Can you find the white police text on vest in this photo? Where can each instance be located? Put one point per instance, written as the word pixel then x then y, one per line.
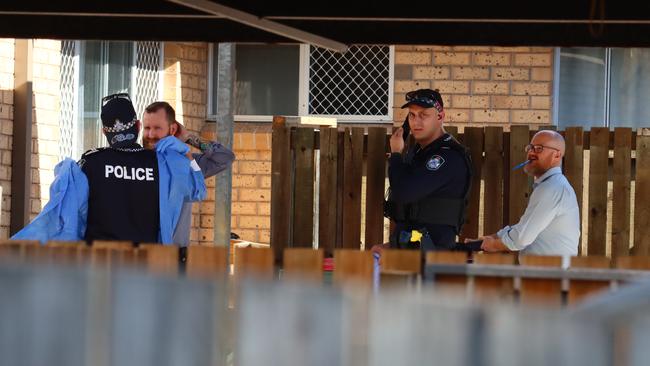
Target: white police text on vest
pixel 127 173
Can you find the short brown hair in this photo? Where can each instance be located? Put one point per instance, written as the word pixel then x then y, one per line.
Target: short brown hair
pixel 169 111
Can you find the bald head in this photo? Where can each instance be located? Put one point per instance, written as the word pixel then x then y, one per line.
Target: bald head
pixel 545 151
pixel 550 138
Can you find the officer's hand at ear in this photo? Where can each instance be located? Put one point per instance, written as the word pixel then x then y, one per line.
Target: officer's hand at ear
pixel 397 141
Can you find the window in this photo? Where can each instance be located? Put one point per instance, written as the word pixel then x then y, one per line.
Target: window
pixel 267 80
pixel 603 87
pixel 305 80
pixel 105 68
pixel 355 83
pixel 91 70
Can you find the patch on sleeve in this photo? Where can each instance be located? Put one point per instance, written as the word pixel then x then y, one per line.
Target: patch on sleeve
pixel 435 162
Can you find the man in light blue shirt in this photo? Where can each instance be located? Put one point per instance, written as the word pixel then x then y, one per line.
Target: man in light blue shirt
pixel 551 223
pixel 159 121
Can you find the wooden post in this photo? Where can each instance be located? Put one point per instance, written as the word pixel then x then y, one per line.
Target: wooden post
pixel 21 148
pixel 161 259
pixel 621 192
pixel 642 197
pixel 493 172
pixel 353 266
pixel 256 262
pixel 474 141
pixel 598 174
pixel 574 163
pixel 280 188
pixel 303 207
pixel 328 203
pixel 206 261
pixel 353 169
pixel 375 186
pixel 519 187
pixel 303 264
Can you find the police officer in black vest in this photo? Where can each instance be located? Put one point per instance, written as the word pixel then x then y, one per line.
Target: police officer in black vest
pixel 430 181
pixel 123 201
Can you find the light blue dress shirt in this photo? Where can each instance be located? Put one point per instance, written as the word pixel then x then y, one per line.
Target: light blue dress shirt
pixel 551 223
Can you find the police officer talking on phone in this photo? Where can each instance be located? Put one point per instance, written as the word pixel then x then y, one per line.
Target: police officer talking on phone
pixel 429 181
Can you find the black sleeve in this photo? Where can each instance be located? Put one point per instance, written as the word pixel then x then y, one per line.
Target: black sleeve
pixel 411 183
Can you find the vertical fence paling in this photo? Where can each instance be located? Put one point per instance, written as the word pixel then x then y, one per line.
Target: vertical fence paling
pixel 327 194
pixel 642 197
pixel 474 141
pixel 304 188
pixel 493 175
pixel 598 174
pixel 494 152
pixel 574 163
pixel 280 187
pixel 621 192
pixel 340 169
pixel 519 187
pixel 375 184
pixel 353 171
pixel 505 198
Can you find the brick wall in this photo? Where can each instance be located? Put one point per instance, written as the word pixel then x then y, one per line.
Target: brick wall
pixel 251 186
pixel 480 85
pixel 45 128
pixel 186 82
pixel 6 129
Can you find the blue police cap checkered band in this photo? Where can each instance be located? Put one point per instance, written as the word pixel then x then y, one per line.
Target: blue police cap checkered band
pixel 119 126
pixel 117 113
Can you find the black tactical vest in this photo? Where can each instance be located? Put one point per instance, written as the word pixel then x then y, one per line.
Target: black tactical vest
pixel 123 201
pixel 454 213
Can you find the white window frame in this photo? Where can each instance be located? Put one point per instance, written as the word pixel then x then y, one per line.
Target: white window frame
pixel 78 97
pixel 303 92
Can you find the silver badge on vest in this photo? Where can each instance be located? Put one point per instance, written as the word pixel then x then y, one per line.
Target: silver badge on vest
pixel 435 162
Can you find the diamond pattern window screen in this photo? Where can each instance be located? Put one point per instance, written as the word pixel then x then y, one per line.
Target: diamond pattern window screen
pixel 93 69
pixel 355 83
pixel 68 90
pixel 146 79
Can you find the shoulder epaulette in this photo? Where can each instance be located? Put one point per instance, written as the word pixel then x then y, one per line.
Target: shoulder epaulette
pixel 92 151
pixel 82 160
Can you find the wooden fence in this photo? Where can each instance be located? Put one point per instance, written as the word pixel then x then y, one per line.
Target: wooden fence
pixel 341 159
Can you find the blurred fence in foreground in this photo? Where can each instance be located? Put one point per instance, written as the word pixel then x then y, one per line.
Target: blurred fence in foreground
pixel 68 317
